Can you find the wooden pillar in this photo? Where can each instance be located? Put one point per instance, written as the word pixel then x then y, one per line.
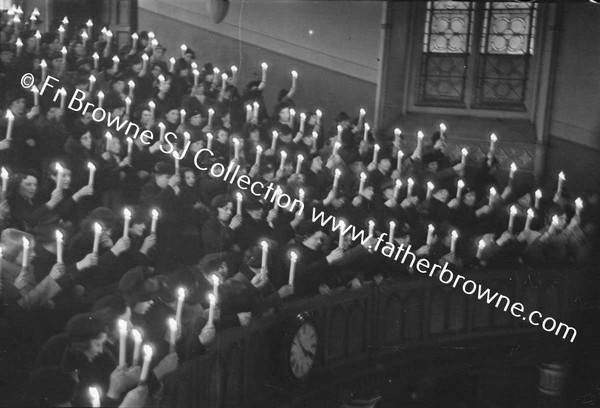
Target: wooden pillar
pixel 384 43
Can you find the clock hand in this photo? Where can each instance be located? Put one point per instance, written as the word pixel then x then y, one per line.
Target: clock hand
pixel 304 350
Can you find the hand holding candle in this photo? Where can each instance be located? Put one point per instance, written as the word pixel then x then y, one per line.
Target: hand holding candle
pixel 493 140
pixel 464 153
pixel 459 186
pixel 397 187
pixel 264 67
pixel 146 367
pixel 538 197
pixel 154 221
pixel 172 334
pixel 530 215
pixel 511 219
pixel 94 396
pixel 97 233
pixel 430 188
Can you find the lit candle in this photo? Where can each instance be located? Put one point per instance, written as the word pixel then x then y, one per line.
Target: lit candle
pixel 96 58
pixel 430 188
pixel 224 78
pixel 63 98
pixel 391 233
pixel 301 195
pixel 97 233
pixel 122 338
pixel 211 113
pixel 19 45
pixel 302 122
pixel 116 61
pixel 292 117
pixel 171 64
pixel 430 231
pixel 161 80
pixel 299 161
pixel 152 107
pixel 397 188
pixel 397 134
pixel 63 51
pixel 84 38
pixel 94 396
pixel 209 139
pixel 196 75
pixel 420 137
pixel 342 226
pixel 37 36
pixel 315 137
pixel 25 260
pixel 172 334
pixel 513 170
pixel 146 367
pixel 530 214
pixel 234 71
pixel 89 25
pixel 4 181
pixel 59 247
pixel 180 299
pixel 36 95
pixel 366 132
pixel 442 130
pixel 338 136
pixel 409 189
pixel 137 345
pixel 493 140
pixel 336 147
pixel 283 155
pixel 371 227
pixel 161 135
pixel 363 179
pixel 294 78
pixel 578 206
pixel 464 152
pixel 216 283
pixel 211 311
pixel 107 50
pixel 134 40
pixel 538 197
pixel 182 114
pixel 319 116
pixel 264 67
pixel 453 238
pixel 460 186
pixel 100 99
pixel 154 221
pixel 92 81
pixel 248 113
pixel 216 72
pixel 293 260
pixel 274 139
pixel 480 247
pixel 108 137
pixel 493 194
pixel 65 20
pixel 375 152
pixel 265 254
pixel 127 217
pixel 361 116
pixel 10 124
pixel 259 150
pixel 239 197
pixel 336 178
pixel 92 171
pixel 511 219
pixel 561 181
pixel 554 223
pixel 183 49
pixel 44 66
pixel 59 176
pixel 145 59
pixel 127 105
pixel 399 161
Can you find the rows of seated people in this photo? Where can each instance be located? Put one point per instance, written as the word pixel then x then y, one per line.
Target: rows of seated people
pixel 71 308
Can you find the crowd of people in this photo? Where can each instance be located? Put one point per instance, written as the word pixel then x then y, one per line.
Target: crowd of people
pixel 76 289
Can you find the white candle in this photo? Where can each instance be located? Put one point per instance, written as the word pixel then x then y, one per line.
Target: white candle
pixel 264 67
pixel 315 137
pixel 464 153
pixel 211 311
pixel 89 25
pixel 363 179
pixel 342 226
pixel 397 134
pixel 97 233
pixel 94 396
pixel 274 139
pixel 161 80
pixel 338 136
pixel 108 137
pixel 554 223
pixel 182 114
pixel 209 139
pixel 493 194
pixel 92 170
pixel 453 238
pixel 397 188
pixel 283 155
pixel 19 45
pixel 36 95
pixel 134 40
pixel 224 78
pixel 371 227
pixel 301 195
pixel 493 140
pixel 116 61
pixel 127 105
pixel 161 135
pixel 84 38
pixel 137 345
pixel 292 117
pixel 196 75
pixel 211 113
pixel 59 176
pixel 460 186
pixel 92 81
pixel 265 254
pixel 530 215
pixel 172 334
pixel 430 188
pixel 122 338
pixel 146 367
pixel 236 148
pixel 248 113
pixel 152 107
pixel 239 197
pixel 44 66
pixel 255 107
pixel 430 231
pixel 294 78
pixel 171 64
pixel 63 51
pixel 409 189
pixel 336 178
pixel 302 122
pixel 561 181
pixel 59 247
pixel 216 283
pixel 37 36
pixel 578 206
pixel 375 152
pixel 538 197
pixel 127 217
pixel 129 147
pixel 10 124
pixel 480 247
pixel 4 174
pixel 293 260
pixel 336 147
pixel 366 132
pixel 180 299
pixel 513 170
pixel 511 219
pixel 63 98
pixel 183 49
pixel 361 116
pixel 391 232
pixel 96 58
pixel 259 150
pixel 25 260
pixel 442 130
pixel 319 116
pixel 299 161
pixel 420 137
pixel 154 221
pixel 100 99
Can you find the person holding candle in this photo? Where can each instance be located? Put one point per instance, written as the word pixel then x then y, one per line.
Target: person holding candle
pixel 223 224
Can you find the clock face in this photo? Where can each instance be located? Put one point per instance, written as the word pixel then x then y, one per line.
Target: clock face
pixel 303 350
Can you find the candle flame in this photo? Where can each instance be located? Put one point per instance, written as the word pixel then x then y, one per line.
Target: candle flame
pixel 181 293
pixel 122 326
pixel 392 224
pixel 555 219
pixel 481 244
pixel 493 191
pixel 116 59
pixel 513 167
pixel 430 185
pixel 97 228
pixel 362 111
pixel 239 196
pixel 209 136
pixel 91 166
pixel 442 127
pixel 264 65
pixel 493 137
pixel 233 69
pixel 94 394
pixel 183 47
pixel 363 175
pixel 236 141
pixel 513 210
pixel 561 175
pixel 59 168
pixel 398 183
pixel 137 336
pixel 420 134
pixel 43 63
pixel 300 158
pixel 464 151
pixel 100 95
pixel 376 147
pixel 294 74
pixel 293 112
pixel 337 172
pixel 248 107
pixel 172 60
pixel 259 148
pixel 410 181
pixel 264 244
pixel 461 183
pixel 367 127
pixel 63 50
pixel 129 140
pixel 134 37
pixel 59 236
pixel 371 223
pixel 147 352
pixel 530 213
pixel 161 125
pixel 172 324
pixel 293 256
pixel 216 71
pixel 579 203
pixel 224 76
pixel 25 242
pixel 283 154
pixel 454 234
pixel 145 57
pixel 108 135
pixel 319 113
pixel 255 104
pixel 126 213
pixel 211 111
pixel 430 228
pixel 397 132
pixel 4 173
pixel 128 100
pixel 161 78
pixel 215 279
pixel 212 299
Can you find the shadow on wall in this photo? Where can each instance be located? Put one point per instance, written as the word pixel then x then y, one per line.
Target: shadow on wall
pixel 581 165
